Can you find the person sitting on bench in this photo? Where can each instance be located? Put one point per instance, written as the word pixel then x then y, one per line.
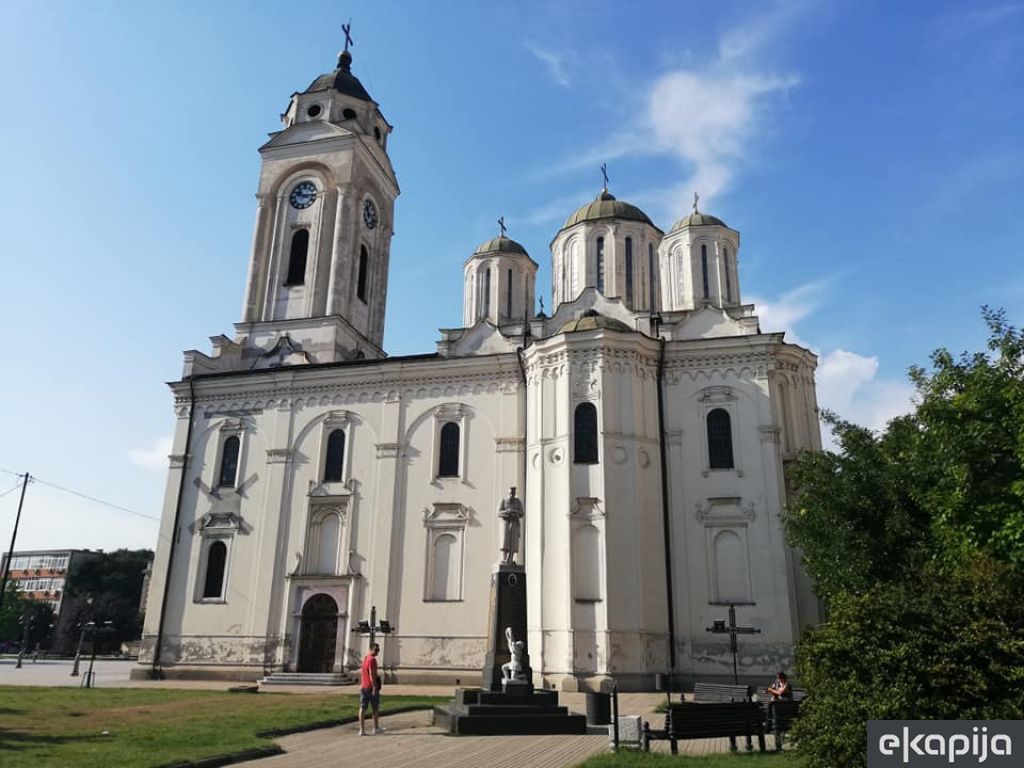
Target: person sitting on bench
pixel 780 688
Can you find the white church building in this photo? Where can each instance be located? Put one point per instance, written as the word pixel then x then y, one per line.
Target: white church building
pixel 646 424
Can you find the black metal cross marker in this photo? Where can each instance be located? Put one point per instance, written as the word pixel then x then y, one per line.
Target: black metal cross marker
pixel 371 627
pixel 501 223
pixel 720 628
pixel 604 174
pixel 347 28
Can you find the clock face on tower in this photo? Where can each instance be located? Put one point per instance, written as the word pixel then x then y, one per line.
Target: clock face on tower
pixel 303 196
pixel 369 214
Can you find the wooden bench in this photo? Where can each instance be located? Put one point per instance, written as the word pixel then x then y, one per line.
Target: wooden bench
pixel 714 693
pixel 693 720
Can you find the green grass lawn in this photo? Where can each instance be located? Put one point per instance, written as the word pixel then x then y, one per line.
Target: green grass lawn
pixel 146 728
pixel 633 759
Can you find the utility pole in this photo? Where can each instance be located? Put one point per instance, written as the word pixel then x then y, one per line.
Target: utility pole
pixel 14 537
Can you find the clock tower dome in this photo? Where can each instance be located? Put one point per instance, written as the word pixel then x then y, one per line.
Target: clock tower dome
pixel 318 274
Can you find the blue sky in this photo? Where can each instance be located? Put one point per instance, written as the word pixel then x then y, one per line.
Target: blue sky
pixel 870 154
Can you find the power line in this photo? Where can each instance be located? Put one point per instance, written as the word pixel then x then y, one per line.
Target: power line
pixel 78 493
pixel 14 487
pixel 94 499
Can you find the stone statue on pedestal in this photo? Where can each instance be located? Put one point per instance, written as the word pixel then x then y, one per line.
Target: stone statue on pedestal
pixel 513 670
pixel 511 511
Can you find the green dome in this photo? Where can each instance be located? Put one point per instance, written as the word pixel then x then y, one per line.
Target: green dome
pixel 592 321
pixel 697 219
pixel 605 206
pixel 500 245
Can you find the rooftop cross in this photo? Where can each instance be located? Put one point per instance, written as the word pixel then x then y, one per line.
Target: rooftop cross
pixel 347 29
pixel 604 173
pixel 696 198
pixel 501 225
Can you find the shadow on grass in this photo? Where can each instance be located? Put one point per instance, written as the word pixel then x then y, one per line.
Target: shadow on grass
pixel 16 741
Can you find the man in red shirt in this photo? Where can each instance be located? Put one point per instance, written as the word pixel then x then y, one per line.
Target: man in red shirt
pixel 369 690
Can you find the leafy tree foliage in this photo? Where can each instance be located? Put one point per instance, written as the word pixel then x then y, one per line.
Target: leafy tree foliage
pixel 936 646
pixel 13 608
pixel 101 588
pixel 915 538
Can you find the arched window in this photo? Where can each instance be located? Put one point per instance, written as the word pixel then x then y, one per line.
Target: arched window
pixel 600 264
pixel 335 456
pixel 720 439
pixel 216 559
pixel 228 463
pixel 448 461
pixel 297 259
pixel 585 434
pixel 629 272
pixel 487 291
pixel 364 268
pixel 728 280
pixel 704 268
pixel 730 569
pixel 652 304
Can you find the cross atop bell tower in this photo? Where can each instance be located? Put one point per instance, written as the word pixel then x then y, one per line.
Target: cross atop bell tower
pixel 324 220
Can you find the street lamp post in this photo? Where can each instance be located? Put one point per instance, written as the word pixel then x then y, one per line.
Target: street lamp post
pixel 90 677
pixel 27 620
pixel 81 637
pixel 87 627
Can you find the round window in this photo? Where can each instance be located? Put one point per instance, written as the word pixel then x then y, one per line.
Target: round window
pixel 349 114
pixel 314 110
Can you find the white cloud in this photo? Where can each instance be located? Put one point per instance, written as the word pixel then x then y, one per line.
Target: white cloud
pixel 784 313
pixel 848 382
pixel 153 458
pixel 848 385
pixel 553 62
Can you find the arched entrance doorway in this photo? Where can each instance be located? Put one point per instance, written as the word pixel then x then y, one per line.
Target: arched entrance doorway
pixel 318 634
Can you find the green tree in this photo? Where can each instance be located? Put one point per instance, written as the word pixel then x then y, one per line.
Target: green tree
pixel 915 538
pixel 105 587
pixel 13 608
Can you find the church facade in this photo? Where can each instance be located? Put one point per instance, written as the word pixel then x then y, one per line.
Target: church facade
pixel 646 425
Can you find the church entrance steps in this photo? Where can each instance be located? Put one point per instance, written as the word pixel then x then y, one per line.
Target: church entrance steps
pixel 306 678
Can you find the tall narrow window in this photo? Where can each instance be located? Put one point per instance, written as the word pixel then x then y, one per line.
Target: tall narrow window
pixel 297 259
pixel 216 559
pixel 508 297
pixel 629 272
pixel 487 291
pixel 720 439
pixel 704 268
pixel 600 264
pixel 364 268
pixel 585 436
pixel 728 280
pixel 652 304
pixel 444 578
pixel 228 463
pixel 335 456
pixel 448 462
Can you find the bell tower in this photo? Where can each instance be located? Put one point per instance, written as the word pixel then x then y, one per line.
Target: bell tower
pixel 318 273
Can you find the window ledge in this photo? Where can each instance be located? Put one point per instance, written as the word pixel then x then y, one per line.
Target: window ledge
pixel 212 600
pixel 443 600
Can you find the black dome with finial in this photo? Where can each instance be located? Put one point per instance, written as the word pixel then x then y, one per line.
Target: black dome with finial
pixel 342 80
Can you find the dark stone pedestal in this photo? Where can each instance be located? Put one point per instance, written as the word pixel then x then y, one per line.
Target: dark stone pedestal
pixel 494 713
pixel 507 707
